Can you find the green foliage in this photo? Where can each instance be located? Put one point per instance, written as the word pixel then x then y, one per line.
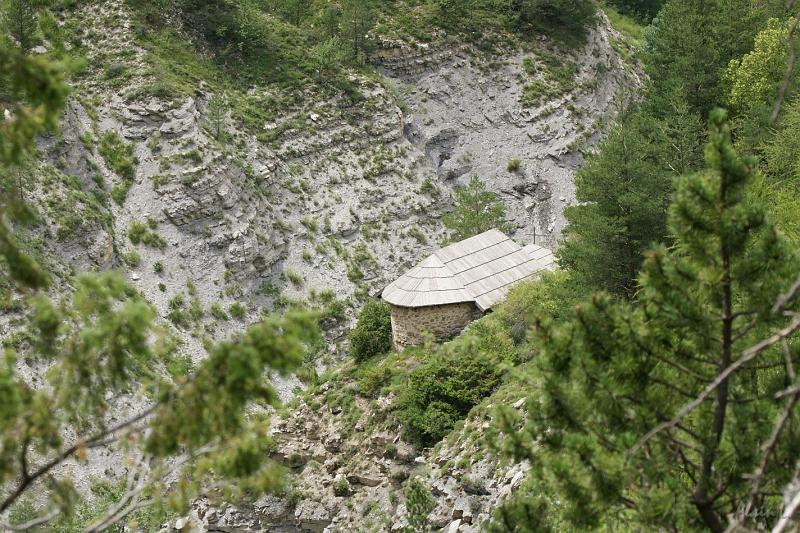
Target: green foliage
pixel 754 77
pixel 554 76
pixel 617 370
pixel 144 233
pixel 18 18
pixel 357 19
pixel 341 487
pixel 476 210
pixel 296 278
pixel 623 191
pixel 688 65
pixel 451 380
pixel 218 312
pixel 119 157
pixel 419 503
pixel 565 20
pixel 217 111
pixel 327 57
pixel 644 10
pixel 429 188
pixel 237 311
pixel 372 334
pixel 131 258
pixel 554 294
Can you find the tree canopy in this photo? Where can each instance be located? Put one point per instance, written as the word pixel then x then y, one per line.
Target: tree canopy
pixel 475 210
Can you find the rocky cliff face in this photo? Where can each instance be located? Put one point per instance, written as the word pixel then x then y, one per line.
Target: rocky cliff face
pixel 339 194
pixel 310 193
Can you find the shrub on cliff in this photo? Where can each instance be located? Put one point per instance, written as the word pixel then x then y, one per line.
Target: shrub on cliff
pixel 373 332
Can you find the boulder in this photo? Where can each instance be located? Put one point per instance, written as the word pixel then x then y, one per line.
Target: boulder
pixel 311 516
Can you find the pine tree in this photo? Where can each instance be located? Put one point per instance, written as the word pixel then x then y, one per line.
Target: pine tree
pixel 476 210
pixel 616 371
pixel 358 18
pixel 217 110
pixel 623 190
pixel 691 43
pixel 19 17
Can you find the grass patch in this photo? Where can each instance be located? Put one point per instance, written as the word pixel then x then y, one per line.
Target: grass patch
pixel 144 233
pixel 119 157
pixel 630 28
pixel 550 77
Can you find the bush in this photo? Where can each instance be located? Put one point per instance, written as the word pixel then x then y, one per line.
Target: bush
pixel 372 379
pixel 451 380
pixel 131 258
pixel 514 165
pixel 140 232
pixel 566 17
pixel 373 332
pixel 119 157
pixel 237 311
pixel 341 487
pixel 218 312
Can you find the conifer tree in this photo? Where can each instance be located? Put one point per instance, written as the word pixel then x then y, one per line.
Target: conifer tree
pixel 652 413
pixel 476 210
pixel 19 19
pixel 624 192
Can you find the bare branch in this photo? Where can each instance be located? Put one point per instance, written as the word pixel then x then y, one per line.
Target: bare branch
pixel 31 523
pixel 787 79
pixel 99 439
pixel 788 513
pixel 783 299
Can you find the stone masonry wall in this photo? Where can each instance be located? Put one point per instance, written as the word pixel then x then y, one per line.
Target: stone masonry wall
pixel 443 321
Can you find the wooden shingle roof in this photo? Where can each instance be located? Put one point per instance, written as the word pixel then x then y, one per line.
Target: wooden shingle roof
pixel 480 269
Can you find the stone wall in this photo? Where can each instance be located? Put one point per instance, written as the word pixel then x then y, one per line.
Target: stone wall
pixel 443 321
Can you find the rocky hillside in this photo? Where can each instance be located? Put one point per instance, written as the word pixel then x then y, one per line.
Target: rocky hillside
pixel 221 204
pixel 303 193
pixel 348 464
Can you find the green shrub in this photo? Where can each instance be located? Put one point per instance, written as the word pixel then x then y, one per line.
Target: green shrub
pixel 429 188
pixel 372 379
pixel 218 312
pixel 341 487
pixel 178 366
pixel 141 232
pixel 451 380
pixel 373 332
pixel 119 157
pixel 514 165
pixel 237 311
pixel 132 258
pixel 295 277
pixel 177 314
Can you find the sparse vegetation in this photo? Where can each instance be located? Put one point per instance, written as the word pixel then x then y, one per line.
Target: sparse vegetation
pixel 119 157
pixel 144 233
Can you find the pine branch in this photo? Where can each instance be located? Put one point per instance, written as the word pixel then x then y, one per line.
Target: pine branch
pixel 31 523
pixel 747 356
pixel 95 441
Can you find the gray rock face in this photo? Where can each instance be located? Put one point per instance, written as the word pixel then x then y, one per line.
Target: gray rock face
pixel 312 516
